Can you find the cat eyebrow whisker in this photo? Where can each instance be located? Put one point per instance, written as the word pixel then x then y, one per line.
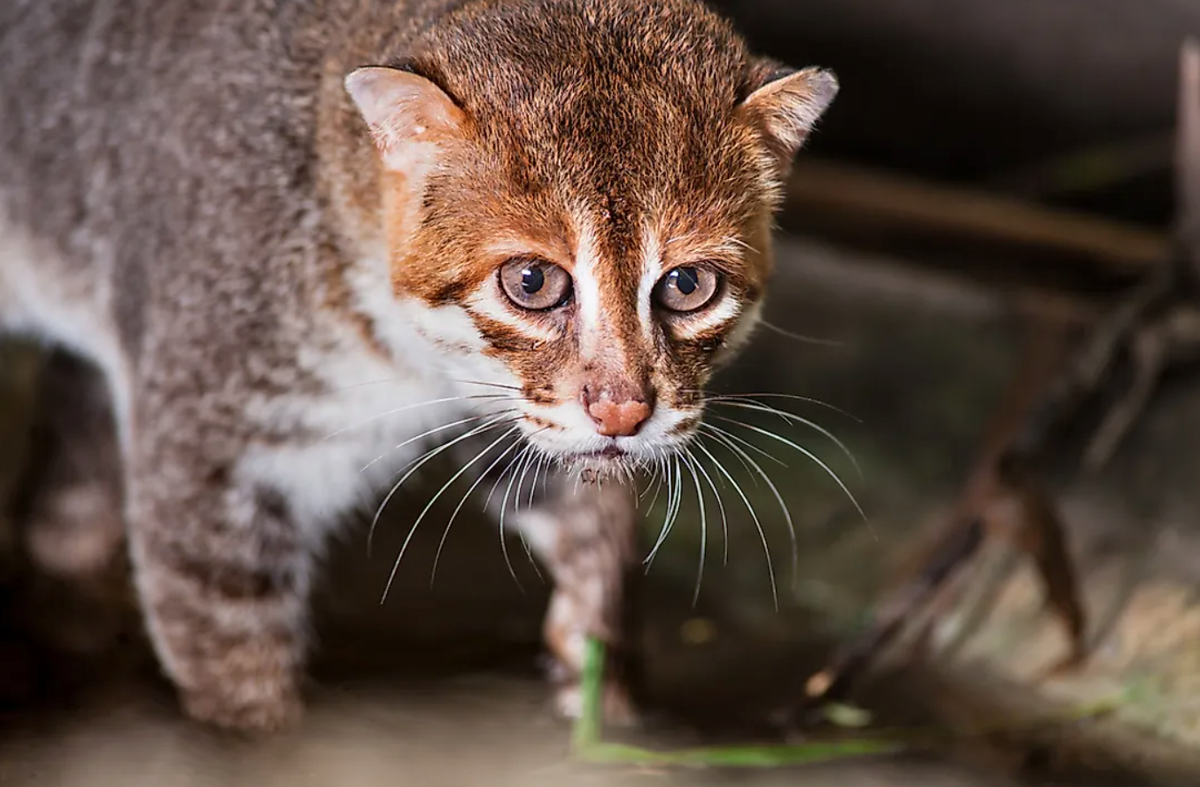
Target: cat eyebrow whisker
pixel 800 337
pixel 736 241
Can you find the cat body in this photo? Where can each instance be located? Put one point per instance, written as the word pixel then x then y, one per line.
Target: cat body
pixel 308 242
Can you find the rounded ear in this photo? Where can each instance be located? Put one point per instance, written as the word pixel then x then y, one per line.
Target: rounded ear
pixel 785 104
pixel 406 113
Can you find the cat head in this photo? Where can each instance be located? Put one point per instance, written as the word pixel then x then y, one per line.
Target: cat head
pixel 579 198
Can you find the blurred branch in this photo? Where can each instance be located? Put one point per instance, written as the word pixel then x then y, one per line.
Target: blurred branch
pixel 861 207
pixel 1091 169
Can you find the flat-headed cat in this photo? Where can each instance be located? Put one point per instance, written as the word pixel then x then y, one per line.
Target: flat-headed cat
pixel 299 236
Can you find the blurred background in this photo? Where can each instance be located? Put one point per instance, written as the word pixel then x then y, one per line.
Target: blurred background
pixel 994 178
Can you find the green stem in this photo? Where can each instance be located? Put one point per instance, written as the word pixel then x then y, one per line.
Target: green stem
pixel 587 745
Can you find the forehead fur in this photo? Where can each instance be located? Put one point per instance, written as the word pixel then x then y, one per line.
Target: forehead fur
pixel 623 106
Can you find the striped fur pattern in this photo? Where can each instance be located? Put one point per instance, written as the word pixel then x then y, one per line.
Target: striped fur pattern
pixel 301 241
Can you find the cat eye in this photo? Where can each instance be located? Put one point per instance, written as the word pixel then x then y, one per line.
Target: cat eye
pixel 686 289
pixel 535 284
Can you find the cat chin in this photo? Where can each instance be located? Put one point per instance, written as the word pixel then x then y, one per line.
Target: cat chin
pixel 598 467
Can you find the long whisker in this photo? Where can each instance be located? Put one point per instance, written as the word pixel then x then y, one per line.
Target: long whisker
pixel 537 467
pixel 427 433
pixel 828 470
pixel 503 505
pixel 524 458
pixel 787 514
pixel 521 482
pixel 658 470
pixel 687 458
pixel 490 385
pixel 720 506
pixel 351 387
pixel 754 516
pixel 497 421
pixel 429 505
pixel 799 336
pixel 791 397
pixel 674 502
pixel 716 430
pixel 751 404
pixel 396 410
pixel 445 533
pixel 710 428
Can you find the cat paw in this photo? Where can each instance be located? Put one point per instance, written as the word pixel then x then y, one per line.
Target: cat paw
pixel 274 712
pixel 619 710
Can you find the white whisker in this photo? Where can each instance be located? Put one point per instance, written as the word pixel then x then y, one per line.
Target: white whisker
pixel 427 433
pixel 523 459
pixel 787 514
pixel 811 456
pixel 799 336
pixel 720 506
pixel 674 501
pixel 751 404
pixel 429 505
pixel 437 555
pixel 716 430
pixel 490 385
pixel 500 419
pixel 703 527
pixel 396 410
pixel 754 516
pixel 728 397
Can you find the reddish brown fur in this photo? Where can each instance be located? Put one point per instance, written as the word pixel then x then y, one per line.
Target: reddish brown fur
pixel 625 114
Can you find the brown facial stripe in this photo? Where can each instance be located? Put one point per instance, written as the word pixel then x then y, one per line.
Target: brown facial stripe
pixel 685 426
pixel 503 338
pixel 539 394
pixel 450 293
pixel 712 337
pixel 542 423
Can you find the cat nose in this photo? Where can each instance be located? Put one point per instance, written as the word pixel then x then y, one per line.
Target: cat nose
pixel 615 417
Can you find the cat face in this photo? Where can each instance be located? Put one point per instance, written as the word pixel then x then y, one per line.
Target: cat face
pixel 601 223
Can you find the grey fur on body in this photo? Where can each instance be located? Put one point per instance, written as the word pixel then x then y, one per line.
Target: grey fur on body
pixel 189 198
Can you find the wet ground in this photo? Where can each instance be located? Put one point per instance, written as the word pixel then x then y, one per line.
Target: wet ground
pixel 440 685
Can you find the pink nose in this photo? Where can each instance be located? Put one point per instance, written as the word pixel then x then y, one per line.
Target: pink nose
pixel 617 419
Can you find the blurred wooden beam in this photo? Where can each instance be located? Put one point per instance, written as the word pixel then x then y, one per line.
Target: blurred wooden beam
pixel 985 235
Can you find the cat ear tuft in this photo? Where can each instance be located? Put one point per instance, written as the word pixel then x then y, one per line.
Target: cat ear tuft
pixel 402 109
pixel 787 104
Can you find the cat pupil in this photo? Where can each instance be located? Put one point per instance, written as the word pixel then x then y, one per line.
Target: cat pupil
pixel 532 280
pixel 687 280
